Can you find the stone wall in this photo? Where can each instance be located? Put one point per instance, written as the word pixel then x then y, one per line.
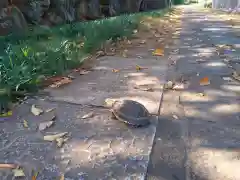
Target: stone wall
pixel 15 15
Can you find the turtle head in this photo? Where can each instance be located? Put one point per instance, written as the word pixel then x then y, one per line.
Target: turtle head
pixel 109 102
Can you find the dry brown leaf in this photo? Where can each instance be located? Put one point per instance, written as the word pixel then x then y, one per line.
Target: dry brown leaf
pixel 36 111
pixel 34 175
pixel 115 70
pixel 63 81
pixel 62 177
pixel 25 123
pixel 44 125
pixel 139 68
pixel 84 72
pixel 54 137
pixel 204 81
pixel 8 166
pixel 18 173
pixel 88 115
pixel 158 52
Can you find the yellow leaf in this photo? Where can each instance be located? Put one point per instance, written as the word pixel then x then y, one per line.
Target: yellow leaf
pixel 138 68
pixel 115 70
pixel 25 124
pixel 9 113
pixel 204 81
pixel 158 52
pixel 18 173
pixel 62 177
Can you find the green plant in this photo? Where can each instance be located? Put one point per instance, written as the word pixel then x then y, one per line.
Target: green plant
pixel 25 59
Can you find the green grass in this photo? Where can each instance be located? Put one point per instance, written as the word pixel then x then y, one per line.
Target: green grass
pixel 26 58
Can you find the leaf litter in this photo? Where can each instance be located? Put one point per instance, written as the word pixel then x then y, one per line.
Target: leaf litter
pixel 204 81
pixel 44 125
pixel 88 115
pixel 54 137
pixel 63 81
pixel 18 172
pixel 36 111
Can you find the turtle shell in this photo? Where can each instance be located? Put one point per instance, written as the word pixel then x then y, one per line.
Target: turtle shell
pixel 131 112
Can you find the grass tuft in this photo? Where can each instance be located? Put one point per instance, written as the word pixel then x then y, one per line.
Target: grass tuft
pixel 25 59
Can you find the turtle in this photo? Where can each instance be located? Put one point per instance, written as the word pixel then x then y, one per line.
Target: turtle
pixel 130 112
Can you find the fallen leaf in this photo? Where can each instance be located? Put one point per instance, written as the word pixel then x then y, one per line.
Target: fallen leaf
pixel 142 41
pixel 89 115
pixel 63 81
pixel 236 76
pixel 62 177
pixel 61 141
pixel 175 116
pixel 129 42
pixel 36 111
pixel 143 88
pixel 54 137
pixel 71 77
pixel 135 31
pixel 169 85
pixel 178 86
pixel 201 94
pixel 18 173
pixel 50 110
pixel 44 125
pixel 124 53
pixel 7 114
pixel 25 124
pixel 100 53
pixel 138 68
pixel 34 175
pixel 115 70
pixel 84 72
pixel 158 52
pixel 157 35
pixel 8 166
pixel 204 81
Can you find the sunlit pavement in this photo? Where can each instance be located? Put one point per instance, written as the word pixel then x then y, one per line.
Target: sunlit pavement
pixel 203 142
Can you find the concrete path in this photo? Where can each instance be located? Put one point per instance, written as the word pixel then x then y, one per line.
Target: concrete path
pixel 198 137
pixel 99 147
